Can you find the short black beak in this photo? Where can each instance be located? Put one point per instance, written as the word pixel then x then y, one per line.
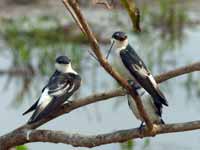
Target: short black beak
pixel 109 51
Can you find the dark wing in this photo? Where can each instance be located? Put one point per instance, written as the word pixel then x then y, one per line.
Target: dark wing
pixel 140 72
pixel 60 88
pixel 59 85
pixel 31 108
pixel 158 106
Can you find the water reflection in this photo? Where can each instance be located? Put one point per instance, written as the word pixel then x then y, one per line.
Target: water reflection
pixel 33 43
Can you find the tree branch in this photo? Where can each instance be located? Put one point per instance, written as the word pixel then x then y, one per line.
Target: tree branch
pixel 78 140
pixel 96 98
pixel 74 16
pixel 177 72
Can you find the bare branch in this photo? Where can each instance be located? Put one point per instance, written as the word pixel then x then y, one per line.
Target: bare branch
pixel 78 140
pixel 102 2
pixel 177 72
pixel 97 98
pixel 73 15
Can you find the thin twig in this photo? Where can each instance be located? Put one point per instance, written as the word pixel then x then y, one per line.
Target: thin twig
pixel 66 4
pixel 91 54
pixel 103 2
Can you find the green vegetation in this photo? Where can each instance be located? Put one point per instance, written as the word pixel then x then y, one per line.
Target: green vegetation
pixel 44 37
pixel 129 145
pixel 21 147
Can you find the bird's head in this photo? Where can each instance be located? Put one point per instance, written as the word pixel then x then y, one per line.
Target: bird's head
pixel 119 41
pixel 64 60
pixel 63 64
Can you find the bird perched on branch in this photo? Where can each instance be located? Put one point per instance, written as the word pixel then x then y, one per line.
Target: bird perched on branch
pixel 135 69
pixel 61 85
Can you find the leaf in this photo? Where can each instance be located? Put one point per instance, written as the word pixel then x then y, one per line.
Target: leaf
pixel 146 143
pixel 129 145
pixel 21 147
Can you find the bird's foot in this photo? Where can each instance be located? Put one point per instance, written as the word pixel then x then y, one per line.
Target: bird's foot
pixel 28 134
pixel 153 132
pixel 134 85
pixel 130 82
pixel 141 129
pixel 162 121
pixel 69 103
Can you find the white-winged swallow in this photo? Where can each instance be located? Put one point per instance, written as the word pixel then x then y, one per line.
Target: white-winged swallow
pixel 134 67
pixel 60 87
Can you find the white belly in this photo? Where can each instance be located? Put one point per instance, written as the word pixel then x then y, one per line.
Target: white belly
pixel 148 106
pixel 45 98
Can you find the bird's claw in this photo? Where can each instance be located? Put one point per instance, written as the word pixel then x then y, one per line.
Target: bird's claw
pixel 141 129
pixel 69 103
pixel 130 82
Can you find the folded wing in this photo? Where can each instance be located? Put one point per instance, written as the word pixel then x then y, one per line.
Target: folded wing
pixel 139 71
pixel 57 91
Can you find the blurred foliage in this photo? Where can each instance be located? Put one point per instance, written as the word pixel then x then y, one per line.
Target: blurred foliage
pixel 163 29
pixel 129 145
pixel 192 85
pixel 42 36
pixel 133 12
pixel 35 41
pixel 146 143
pixel 21 147
pixel 34 44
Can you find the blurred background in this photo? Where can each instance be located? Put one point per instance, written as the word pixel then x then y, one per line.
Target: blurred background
pixel 33 33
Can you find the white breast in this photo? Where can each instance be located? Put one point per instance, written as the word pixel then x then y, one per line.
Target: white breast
pixel 148 106
pixel 120 66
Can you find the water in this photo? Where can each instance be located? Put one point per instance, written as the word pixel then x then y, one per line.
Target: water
pixel 105 117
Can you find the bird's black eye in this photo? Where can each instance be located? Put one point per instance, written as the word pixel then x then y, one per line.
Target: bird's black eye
pixel 120 36
pixel 63 60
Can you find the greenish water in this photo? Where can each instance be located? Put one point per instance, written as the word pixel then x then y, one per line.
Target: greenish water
pixel 168 40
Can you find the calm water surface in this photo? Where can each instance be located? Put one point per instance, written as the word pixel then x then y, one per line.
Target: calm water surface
pixel 103 117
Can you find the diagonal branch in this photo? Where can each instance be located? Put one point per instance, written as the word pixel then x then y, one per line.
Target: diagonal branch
pixel 74 16
pixel 104 63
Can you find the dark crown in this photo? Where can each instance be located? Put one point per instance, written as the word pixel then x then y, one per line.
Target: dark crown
pixel 120 36
pixel 63 60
